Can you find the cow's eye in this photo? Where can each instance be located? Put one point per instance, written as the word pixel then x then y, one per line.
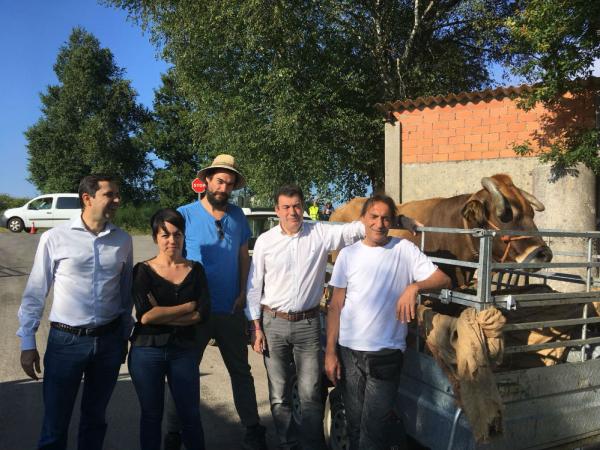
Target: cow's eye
pixel 507 214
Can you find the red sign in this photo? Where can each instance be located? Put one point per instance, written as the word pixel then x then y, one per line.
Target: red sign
pixel 198 186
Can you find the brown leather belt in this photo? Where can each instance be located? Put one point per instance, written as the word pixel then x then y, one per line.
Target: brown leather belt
pixel 292 316
pixel 81 331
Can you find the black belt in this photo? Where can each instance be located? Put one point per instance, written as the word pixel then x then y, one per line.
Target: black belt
pixel 292 316
pixel 81 331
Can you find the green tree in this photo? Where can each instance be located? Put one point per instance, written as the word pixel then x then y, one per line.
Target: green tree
pixel 290 87
pixel 170 135
pixel 89 123
pixel 553 45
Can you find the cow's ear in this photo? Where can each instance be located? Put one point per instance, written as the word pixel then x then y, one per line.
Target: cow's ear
pixel 474 212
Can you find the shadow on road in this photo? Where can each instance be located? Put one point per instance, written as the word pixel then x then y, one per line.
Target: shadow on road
pixel 21 417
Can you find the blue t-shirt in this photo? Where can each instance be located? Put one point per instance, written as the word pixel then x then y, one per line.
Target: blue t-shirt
pixel 219 257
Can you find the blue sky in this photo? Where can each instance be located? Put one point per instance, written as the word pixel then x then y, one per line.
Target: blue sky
pixel 31 33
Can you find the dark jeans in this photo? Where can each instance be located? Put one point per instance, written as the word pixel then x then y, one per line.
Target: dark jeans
pixel 68 358
pixel 148 367
pixel 230 332
pixel 369 387
pixel 298 343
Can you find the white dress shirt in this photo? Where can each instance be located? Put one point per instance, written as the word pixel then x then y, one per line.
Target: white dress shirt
pixel 287 272
pixel 91 276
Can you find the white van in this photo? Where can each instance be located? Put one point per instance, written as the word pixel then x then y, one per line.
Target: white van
pixel 45 211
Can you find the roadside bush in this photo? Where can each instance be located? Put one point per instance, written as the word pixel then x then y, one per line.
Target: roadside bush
pixel 7 201
pixel 136 218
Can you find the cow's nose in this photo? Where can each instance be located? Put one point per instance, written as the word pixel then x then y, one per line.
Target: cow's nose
pixel 543 254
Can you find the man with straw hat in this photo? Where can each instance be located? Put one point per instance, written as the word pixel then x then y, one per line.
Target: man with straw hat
pixel 216 235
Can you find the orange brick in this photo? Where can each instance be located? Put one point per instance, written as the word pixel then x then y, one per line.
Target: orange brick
pixel 430 149
pixel 424 158
pixel 444 133
pixel 425 126
pixel 516 126
pixel 456 140
pixel 473 122
pixel 483 147
pixel 440 157
pixel 456 123
pixel 409 158
pixel 473 155
pixel 484 129
pixel 490 137
pixel 456 156
pixel 462 131
pixel 507 153
pixel 440 141
pixel 490 154
pixel 472 138
pixel 498 127
pixel 461 148
pixel 441 125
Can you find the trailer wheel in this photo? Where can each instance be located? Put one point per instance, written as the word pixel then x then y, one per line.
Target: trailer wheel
pixel 334 422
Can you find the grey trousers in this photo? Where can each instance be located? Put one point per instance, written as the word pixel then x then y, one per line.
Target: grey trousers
pixel 230 332
pixel 297 343
pixel 369 384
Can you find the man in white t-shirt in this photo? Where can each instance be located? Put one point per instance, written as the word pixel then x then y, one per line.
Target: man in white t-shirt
pixel 376 282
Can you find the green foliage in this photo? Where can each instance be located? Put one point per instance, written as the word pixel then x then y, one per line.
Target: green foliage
pixel 290 87
pixel 89 122
pixel 171 136
pixel 553 44
pixel 135 218
pixel 7 202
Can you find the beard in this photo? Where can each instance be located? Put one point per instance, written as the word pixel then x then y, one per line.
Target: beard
pixel 217 202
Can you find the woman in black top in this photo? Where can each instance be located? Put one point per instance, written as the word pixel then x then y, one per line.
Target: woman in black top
pixel 171 300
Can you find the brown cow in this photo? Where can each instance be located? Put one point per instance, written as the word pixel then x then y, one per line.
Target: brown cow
pixel 499 205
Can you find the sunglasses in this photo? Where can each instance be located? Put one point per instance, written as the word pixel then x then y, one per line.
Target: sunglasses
pixel 220 229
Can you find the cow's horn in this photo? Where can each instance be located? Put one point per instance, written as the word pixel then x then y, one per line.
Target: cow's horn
pixel 539 206
pixel 497 197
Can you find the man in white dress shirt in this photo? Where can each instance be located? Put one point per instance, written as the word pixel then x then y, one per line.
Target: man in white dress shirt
pixel 89 262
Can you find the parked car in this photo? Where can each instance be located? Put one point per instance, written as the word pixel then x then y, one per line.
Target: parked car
pixel 45 211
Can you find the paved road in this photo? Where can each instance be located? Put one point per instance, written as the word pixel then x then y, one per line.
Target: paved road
pixel 21 400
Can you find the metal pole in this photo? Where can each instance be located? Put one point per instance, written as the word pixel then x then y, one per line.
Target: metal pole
pixel 588 286
pixel 485 254
pixel 453 430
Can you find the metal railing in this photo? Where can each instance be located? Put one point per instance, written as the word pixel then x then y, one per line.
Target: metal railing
pixel 492 274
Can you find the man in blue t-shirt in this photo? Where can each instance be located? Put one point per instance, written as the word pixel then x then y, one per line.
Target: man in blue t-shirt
pixel 216 235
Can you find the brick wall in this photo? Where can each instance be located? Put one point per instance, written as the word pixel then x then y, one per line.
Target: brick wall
pixel 487 129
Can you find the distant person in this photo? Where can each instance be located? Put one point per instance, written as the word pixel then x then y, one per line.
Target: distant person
pixel 313 211
pixel 171 300
pixel 327 211
pixel 89 262
pixel 216 235
pixel 376 282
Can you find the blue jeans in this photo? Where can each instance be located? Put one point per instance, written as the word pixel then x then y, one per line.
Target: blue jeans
pixel 148 367
pixel 369 384
pixel 298 343
pixel 230 332
pixel 68 358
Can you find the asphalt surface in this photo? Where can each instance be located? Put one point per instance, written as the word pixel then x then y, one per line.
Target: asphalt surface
pixel 21 404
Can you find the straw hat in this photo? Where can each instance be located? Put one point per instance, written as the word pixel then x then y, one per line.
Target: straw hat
pixel 224 162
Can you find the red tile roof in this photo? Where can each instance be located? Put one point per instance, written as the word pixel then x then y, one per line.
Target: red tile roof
pixel 466 97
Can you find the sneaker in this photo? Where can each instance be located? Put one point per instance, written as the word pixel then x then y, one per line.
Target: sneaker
pixel 255 438
pixel 172 441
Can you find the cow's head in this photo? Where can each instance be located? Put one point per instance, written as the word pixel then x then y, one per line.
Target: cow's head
pixel 501 205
